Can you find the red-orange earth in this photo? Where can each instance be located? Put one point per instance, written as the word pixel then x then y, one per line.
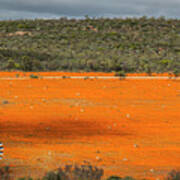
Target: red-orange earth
pixel 127 127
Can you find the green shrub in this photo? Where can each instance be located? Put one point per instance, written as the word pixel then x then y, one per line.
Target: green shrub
pixel 176 72
pixel 25 178
pixel 54 176
pixel 128 178
pixel 120 73
pixel 33 76
pixel 65 77
pixel 120 178
pixel 148 69
pixel 86 77
pixel 17 75
pixel 12 65
pixel 102 44
pixel 26 63
pixel 114 178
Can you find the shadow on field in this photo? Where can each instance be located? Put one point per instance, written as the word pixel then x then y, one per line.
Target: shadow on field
pixel 60 129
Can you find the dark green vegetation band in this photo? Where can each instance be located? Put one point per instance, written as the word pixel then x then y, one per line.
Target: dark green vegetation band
pixel 83 172
pixel 128 45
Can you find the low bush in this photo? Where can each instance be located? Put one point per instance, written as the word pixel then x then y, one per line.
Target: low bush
pixel 173 175
pixel 83 172
pixel 120 74
pixel 120 178
pixel 5 173
pixel 176 72
pixel 114 178
pixel 33 76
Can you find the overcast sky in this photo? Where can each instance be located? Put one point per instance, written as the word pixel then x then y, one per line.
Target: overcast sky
pixel 25 9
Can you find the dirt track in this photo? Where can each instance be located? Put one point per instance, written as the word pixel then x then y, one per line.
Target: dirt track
pixel 128 127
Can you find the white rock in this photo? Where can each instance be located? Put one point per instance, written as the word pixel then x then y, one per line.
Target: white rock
pixel 98 158
pixel 152 170
pixel 125 159
pixel 49 153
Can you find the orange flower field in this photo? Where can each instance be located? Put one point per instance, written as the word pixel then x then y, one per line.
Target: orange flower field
pixel 127 127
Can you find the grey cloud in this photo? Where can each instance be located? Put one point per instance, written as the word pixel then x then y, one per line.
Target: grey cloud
pixel 18 9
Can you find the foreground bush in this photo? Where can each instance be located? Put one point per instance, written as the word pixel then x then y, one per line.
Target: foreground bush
pixel 84 172
pixel 4 173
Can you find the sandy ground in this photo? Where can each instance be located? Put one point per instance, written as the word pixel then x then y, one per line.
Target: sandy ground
pixel 127 127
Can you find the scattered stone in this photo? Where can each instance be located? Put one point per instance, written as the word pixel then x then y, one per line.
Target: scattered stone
pixel 115 124
pixel 128 115
pixel 98 158
pixel 43 100
pixel 20 33
pixel 15 97
pixel 81 110
pixel 152 170
pixel 125 159
pixel 49 153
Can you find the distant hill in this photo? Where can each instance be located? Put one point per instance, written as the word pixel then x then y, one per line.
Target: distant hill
pixel 129 45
